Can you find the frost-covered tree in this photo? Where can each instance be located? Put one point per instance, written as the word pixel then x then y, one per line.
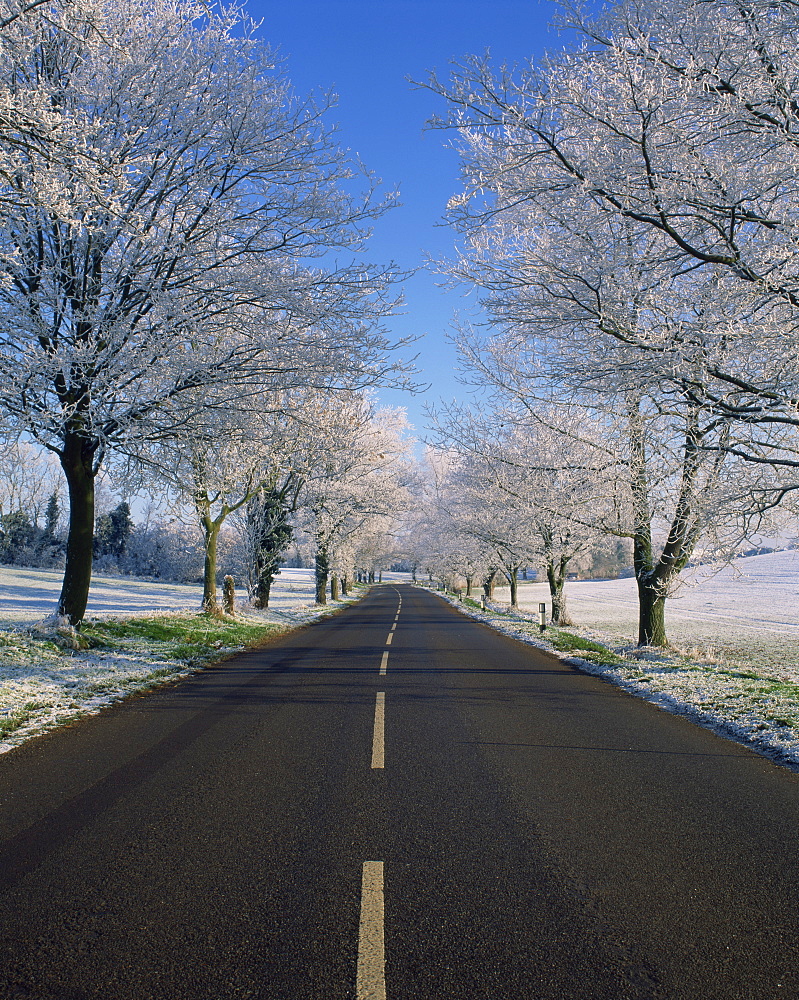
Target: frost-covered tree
pixel 662 469
pixel 164 549
pixel 675 126
pixel 471 506
pixel 12 11
pixel 159 221
pixel 538 476
pixel 359 480
pixel 435 540
pixel 29 477
pixel 232 463
pixel 587 216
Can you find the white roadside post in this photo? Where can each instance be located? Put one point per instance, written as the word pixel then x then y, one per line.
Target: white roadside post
pixel 542 616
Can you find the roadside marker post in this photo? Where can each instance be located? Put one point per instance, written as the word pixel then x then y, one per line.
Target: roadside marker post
pixel 542 616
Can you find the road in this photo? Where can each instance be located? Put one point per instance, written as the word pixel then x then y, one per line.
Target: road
pixel 395 802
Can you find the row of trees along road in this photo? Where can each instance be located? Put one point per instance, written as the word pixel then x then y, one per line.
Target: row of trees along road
pixel 514 492
pixel 333 475
pixel 328 460
pixel 177 232
pixel 630 211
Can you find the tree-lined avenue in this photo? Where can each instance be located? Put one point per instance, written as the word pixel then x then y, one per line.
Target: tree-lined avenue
pixel 532 832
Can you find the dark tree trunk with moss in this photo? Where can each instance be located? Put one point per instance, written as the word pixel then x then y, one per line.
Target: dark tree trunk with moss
pixel 270 535
pixel 322 572
pixel 229 595
pixel 78 462
pixel 489 583
pixel 263 591
pixel 334 587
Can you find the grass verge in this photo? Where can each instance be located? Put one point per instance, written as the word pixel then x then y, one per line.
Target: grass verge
pixel 43 685
pixel 189 638
pixel 567 642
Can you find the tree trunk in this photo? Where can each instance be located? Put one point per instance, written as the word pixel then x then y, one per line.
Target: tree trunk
pixel 77 463
pixel 345 586
pixel 651 614
pixel 269 536
pixel 468 586
pixel 229 595
pixel 654 576
pixel 559 615
pixel 514 587
pixel 322 570
pixel 556 577
pixel 334 587
pixel 263 589
pixel 211 531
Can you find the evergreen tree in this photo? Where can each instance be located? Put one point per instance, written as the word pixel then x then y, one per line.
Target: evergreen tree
pixel 51 516
pixel 112 531
pixel 17 536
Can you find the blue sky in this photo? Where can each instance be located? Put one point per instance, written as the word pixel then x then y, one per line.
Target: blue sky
pixel 364 51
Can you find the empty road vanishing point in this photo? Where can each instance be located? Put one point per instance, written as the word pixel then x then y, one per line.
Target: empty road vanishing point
pixel 395 802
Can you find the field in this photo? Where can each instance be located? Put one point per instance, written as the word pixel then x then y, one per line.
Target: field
pixel 747 613
pixel 27 595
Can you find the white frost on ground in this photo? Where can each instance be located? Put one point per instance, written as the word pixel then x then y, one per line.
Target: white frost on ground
pixel 42 686
pixel 28 595
pixel 734 661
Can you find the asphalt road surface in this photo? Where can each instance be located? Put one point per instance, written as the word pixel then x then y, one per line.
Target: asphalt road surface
pixel 395 803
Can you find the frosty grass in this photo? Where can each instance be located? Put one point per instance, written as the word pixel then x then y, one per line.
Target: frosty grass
pixel 733 665
pixel 42 685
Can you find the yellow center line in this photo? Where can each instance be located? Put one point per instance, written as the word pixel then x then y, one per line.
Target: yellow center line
pixel 378 737
pixel 371 977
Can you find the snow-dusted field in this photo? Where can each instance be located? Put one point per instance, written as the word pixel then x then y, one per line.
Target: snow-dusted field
pixel 42 685
pixel 745 613
pixel 28 595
